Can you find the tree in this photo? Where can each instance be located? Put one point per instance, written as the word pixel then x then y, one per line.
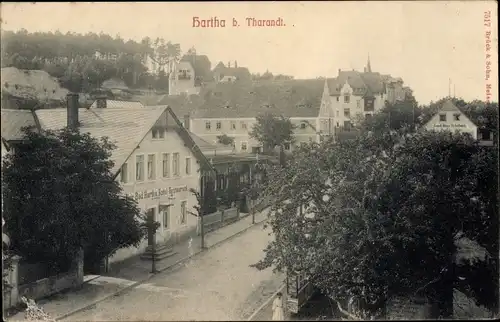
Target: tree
pixel 61 196
pixel 382 217
pixel 273 131
pixel 225 139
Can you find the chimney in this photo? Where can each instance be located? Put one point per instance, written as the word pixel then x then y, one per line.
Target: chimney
pixel 186 121
pixel 339 71
pixel 228 64
pixel 72 112
pixel 235 64
pixel 101 102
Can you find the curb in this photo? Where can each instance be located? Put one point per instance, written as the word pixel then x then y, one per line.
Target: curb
pixel 150 275
pixel 280 289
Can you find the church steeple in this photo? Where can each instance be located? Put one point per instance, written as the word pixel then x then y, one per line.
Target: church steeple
pixel 368 66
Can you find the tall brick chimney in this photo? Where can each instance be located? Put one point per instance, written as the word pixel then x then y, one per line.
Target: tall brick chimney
pixel 186 121
pixel 72 110
pixel 101 102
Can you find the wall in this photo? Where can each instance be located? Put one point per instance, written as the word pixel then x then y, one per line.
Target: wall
pixel 220 218
pixel 172 189
pixel 240 133
pixel 179 85
pixel 356 106
pixel 464 125
pixel 43 287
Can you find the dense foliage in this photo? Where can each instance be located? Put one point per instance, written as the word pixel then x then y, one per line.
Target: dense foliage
pixel 273 131
pixel 381 217
pixel 72 58
pixel 225 139
pixel 61 196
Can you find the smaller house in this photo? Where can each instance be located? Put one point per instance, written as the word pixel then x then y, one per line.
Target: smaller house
pixel 450 118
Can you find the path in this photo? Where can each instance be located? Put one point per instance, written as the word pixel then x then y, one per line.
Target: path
pixel 216 285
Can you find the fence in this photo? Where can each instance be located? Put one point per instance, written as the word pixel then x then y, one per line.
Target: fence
pixel 220 219
pixel 41 287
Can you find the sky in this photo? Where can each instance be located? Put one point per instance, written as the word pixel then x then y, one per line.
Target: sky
pixel 426 43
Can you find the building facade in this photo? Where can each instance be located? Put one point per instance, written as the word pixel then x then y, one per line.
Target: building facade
pixel 156 162
pixel 450 118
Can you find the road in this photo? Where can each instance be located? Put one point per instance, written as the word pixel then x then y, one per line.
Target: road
pixel 216 285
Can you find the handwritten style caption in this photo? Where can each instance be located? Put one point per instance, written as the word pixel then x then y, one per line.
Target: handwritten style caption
pixel 215 22
pixel 487 39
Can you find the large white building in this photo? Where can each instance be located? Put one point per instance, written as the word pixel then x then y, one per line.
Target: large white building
pixel 156 161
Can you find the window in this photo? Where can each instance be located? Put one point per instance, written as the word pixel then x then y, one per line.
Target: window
pixel 337 98
pixel 243 125
pixel 347 98
pixel 151 167
pixel 457 117
pixel 347 112
pixel 243 146
pixel 165 212
pixel 158 133
pixel 208 125
pixel 302 125
pixel 139 168
pixel 442 117
pixel 175 164
pixel 338 114
pixel 287 146
pixel 218 125
pixel 124 173
pixel 166 165
pixel 188 166
pixel 233 125
pixel 183 212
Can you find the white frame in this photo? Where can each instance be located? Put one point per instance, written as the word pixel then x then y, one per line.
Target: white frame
pixel 186 166
pixel 143 168
pixel 167 207
pixel 154 167
pixel 178 174
pixel 127 173
pixel 169 164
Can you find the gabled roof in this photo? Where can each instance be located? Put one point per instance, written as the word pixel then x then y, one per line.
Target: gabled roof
pixel 366 83
pixel 125 127
pixel 119 104
pixel 201 65
pixel 290 98
pixel 13 121
pixel 448 106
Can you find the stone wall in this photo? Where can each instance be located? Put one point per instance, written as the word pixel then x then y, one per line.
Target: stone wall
pixel 43 287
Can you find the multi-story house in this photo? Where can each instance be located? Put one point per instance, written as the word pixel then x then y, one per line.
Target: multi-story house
pixel 357 95
pixel 156 162
pixel 232 108
pixel 190 74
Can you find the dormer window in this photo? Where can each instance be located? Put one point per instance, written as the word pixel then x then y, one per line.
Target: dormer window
pixel 456 117
pixel 158 133
pixel 347 98
pixel 442 117
pixel 303 125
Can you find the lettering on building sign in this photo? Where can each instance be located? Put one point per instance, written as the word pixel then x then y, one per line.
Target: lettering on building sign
pixel 148 194
pixel 455 125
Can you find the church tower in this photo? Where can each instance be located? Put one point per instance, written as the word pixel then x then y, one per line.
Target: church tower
pixel 368 68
